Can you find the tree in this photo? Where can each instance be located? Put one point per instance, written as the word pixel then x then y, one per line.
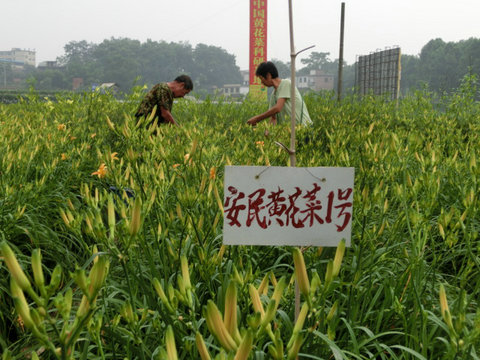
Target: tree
pixel 470 54
pixel 51 79
pixel 439 64
pixel 118 61
pixel 283 68
pixel 316 61
pixel 214 67
pixel 410 73
pixel 78 61
pixel 77 51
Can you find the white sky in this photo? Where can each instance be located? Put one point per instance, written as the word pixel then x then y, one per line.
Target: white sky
pixel 48 25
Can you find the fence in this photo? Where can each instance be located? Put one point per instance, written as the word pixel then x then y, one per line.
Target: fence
pixel 379 73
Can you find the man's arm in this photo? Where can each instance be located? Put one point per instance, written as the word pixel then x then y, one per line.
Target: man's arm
pixel 269 113
pixel 167 115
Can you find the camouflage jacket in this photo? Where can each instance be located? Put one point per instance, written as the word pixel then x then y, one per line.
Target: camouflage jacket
pixel 161 96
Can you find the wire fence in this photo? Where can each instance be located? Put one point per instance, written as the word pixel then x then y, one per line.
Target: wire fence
pixel 379 73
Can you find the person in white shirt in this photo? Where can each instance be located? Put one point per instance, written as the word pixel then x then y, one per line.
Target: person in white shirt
pixel 280 108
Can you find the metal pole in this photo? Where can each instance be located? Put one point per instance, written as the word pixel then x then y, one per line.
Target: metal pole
pixel 340 59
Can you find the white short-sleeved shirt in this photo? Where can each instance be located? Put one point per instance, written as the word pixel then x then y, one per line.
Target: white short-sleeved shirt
pixel 301 112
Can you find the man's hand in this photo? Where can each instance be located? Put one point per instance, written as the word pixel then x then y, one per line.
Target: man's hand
pixel 167 115
pixel 173 122
pixel 270 113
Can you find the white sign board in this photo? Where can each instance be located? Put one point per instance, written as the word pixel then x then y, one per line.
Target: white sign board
pixel 269 205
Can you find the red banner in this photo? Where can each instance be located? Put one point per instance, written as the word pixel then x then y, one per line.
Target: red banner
pixel 258 42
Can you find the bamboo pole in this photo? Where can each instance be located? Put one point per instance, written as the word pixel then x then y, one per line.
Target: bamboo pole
pixel 340 59
pixel 291 151
pixel 293 56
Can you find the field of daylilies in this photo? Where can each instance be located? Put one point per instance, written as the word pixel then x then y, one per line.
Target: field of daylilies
pixel 111 234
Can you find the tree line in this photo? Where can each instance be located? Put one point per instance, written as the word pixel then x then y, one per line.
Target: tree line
pixel 128 62
pixel 440 65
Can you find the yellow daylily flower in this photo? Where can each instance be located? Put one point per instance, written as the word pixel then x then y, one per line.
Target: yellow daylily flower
pixel 212 172
pixel 101 172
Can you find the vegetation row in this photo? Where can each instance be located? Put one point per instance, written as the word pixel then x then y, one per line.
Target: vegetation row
pixel 111 233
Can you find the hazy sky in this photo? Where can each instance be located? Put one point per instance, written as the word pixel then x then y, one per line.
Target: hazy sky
pixel 370 25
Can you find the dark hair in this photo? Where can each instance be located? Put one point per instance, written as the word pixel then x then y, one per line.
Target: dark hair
pixel 186 80
pixel 267 68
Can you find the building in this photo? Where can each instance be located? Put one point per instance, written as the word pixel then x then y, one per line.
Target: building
pixel 234 90
pixel 111 88
pixel 77 83
pixel 48 65
pixel 317 80
pixel 237 90
pixel 245 77
pixel 19 57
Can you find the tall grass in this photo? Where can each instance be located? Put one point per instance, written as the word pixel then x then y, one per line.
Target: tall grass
pixel 415 229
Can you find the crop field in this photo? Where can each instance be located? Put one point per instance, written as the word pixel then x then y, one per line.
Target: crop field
pixel 111 234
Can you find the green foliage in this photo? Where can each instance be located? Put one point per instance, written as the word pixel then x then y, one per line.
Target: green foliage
pixel 442 65
pixel 124 60
pixel 52 318
pixel 319 61
pixel 78 172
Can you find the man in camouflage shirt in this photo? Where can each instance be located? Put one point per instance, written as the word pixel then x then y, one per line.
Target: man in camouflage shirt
pixel 160 100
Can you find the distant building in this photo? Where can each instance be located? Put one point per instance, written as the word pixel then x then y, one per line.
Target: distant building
pixel 48 65
pixel 77 83
pixel 245 77
pixel 237 90
pixel 111 88
pixel 317 80
pixel 234 90
pixel 18 57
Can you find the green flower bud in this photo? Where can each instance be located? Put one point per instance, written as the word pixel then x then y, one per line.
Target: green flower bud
pixel 55 279
pixel 230 314
pixel 170 344
pixel 37 268
pixel 202 348
pixel 81 280
pixel 14 267
pixel 245 347
pixel 24 311
pixel 295 348
pixel 136 220
pixel 337 262
pixel 301 272
pixel 185 272
pixel 161 294
pixel 97 275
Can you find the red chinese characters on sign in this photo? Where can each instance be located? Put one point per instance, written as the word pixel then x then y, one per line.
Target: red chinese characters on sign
pixel 258 38
pixel 299 208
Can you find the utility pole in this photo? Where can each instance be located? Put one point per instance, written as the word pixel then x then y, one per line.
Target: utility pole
pixel 340 59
